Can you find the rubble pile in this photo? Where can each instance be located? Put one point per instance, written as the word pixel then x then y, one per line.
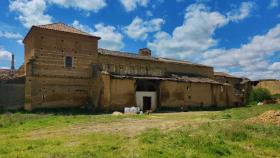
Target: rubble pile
pixel 6 74
pixel 269 117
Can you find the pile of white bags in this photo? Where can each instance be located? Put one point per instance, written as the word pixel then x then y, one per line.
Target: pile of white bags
pixel 132 110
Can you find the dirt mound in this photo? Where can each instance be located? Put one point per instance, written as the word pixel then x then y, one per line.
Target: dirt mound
pixel 268 117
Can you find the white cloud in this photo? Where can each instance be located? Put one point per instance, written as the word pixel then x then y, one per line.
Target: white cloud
pixel 88 5
pixel 10 35
pixel 250 59
pixel 241 13
pixel 149 13
pixel 110 37
pixel 273 4
pixel 139 29
pixel 131 5
pixel 193 36
pixel 194 40
pixel 20 42
pixel 31 12
pixel 5 55
pixel 275 66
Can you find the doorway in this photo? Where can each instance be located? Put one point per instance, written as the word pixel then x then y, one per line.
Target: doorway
pixel 147 103
pixel 146 94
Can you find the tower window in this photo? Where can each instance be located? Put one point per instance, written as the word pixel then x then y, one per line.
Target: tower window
pixel 68 61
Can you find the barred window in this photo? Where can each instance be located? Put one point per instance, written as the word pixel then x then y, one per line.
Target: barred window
pixel 68 61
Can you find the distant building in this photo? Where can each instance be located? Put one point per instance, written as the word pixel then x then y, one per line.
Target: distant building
pixel 270 84
pixel 64 67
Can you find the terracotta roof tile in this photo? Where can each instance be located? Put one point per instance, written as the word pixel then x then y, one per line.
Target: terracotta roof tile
pixel 172 78
pixel 6 74
pixel 65 28
pixel 137 56
pixel 224 74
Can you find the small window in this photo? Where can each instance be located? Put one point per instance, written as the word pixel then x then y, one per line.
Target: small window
pixel 68 61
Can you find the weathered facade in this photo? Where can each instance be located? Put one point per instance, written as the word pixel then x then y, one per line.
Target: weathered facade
pixel 12 90
pixel 241 86
pixel 65 68
pixel 272 85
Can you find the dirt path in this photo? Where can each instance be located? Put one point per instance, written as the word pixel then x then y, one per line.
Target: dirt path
pixel 127 126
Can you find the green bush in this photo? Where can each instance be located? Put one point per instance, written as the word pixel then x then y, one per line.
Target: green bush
pixel 276 96
pixel 259 95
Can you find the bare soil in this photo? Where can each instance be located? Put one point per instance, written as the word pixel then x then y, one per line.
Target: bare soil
pixel 127 126
pixel 268 117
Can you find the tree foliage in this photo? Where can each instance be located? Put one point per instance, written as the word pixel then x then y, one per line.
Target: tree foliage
pixel 259 95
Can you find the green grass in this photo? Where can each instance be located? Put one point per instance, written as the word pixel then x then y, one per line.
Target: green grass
pixel 206 134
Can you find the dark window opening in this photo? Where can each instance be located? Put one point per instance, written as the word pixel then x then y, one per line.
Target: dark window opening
pixel 68 61
pixel 146 85
pixel 95 70
pixel 147 103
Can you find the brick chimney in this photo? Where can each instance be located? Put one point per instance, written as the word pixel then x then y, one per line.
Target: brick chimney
pixel 13 62
pixel 145 52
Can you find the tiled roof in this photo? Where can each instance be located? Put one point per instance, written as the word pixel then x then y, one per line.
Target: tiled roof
pixel 224 75
pixel 6 74
pixel 137 56
pixel 65 28
pixel 172 78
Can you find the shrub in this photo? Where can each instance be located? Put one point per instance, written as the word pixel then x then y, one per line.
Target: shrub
pixel 259 95
pixel 276 96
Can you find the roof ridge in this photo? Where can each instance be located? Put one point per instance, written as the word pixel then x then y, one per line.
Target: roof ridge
pixel 60 26
pixel 134 55
pixel 51 24
pixel 121 52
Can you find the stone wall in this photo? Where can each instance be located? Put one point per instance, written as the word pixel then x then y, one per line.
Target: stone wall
pixel 12 95
pixel 172 94
pixel 131 66
pixel 272 85
pixel 186 94
pixel 49 83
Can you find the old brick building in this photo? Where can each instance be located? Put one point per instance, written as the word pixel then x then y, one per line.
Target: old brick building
pixel 65 68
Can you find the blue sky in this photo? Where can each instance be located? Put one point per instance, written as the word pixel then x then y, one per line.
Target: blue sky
pixel 234 36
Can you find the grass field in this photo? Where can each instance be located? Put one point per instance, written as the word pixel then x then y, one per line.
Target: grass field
pixel 184 134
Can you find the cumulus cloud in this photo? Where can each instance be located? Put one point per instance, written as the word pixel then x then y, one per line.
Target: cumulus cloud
pixel 131 5
pixel 110 37
pixel 30 12
pixel 5 55
pixel 139 29
pixel 193 36
pixel 241 13
pixel 88 5
pixel 252 58
pixel 10 35
pixel 33 12
pixel 275 66
pixel 273 4
pixel 194 40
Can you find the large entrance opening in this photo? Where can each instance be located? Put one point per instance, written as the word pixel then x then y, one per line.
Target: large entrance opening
pixel 146 94
pixel 147 103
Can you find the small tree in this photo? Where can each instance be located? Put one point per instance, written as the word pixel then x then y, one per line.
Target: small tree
pixel 259 95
